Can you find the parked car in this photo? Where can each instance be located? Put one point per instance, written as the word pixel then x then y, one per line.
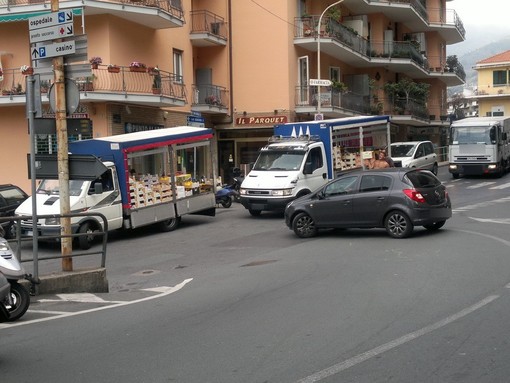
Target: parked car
pixel 396 199
pixel 11 197
pixel 414 154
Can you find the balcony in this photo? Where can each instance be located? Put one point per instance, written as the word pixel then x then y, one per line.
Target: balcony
pixel 207 29
pixel 104 86
pixel 493 91
pixel 345 44
pixel 210 99
pixel 156 14
pixel 450 76
pixel 334 104
pixel 415 15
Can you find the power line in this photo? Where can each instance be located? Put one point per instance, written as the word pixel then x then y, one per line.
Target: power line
pixel 272 13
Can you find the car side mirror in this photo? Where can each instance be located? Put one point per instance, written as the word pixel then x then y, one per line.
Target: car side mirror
pixel 98 188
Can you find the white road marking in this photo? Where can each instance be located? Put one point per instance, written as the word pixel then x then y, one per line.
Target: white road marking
pixel 503 186
pixel 480 185
pixel 167 291
pixel 335 369
pixel 505 221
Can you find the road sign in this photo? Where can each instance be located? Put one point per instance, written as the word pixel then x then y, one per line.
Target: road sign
pixel 81 167
pixel 52 33
pixel 196 114
pixel 318 117
pixel 50 19
pixel 198 122
pixel 53 50
pixel 318 82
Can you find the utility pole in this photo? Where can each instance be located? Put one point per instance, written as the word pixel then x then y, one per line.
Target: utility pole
pixel 62 155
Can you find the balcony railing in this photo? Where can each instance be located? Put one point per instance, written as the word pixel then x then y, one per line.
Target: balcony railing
pixel 102 80
pixel 396 50
pixel 447 17
pixel 210 95
pixel 208 22
pixel 307 96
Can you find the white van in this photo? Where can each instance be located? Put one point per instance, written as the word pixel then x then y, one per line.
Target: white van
pixel 414 154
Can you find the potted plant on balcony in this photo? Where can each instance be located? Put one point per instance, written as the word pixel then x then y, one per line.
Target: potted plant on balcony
pixel 95 61
pixel 26 70
pixel 112 68
pixel 137 66
pixel 156 83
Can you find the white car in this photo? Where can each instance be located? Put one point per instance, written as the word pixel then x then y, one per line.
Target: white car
pixel 414 154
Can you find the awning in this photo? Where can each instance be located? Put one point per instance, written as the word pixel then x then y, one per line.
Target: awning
pixel 26 16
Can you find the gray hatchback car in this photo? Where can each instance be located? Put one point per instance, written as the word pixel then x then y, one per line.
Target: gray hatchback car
pixel 396 199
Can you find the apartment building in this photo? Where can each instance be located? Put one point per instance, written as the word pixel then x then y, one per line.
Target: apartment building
pixel 238 67
pixel 493 92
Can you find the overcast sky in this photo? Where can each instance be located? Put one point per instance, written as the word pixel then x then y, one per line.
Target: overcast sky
pixel 486 12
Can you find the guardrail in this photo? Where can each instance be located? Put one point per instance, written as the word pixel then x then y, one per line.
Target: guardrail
pixel 17 240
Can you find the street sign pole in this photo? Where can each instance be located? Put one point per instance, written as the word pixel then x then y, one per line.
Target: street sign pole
pixel 62 156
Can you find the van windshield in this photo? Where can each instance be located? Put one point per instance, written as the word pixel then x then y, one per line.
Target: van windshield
pixel 279 160
pixel 53 187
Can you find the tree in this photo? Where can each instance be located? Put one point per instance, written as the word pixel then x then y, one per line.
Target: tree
pixel 407 90
pixel 457 101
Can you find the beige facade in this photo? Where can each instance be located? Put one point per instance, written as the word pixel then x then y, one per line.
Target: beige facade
pixel 493 92
pixel 242 65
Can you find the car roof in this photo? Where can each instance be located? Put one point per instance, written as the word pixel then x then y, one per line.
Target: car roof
pixel 393 170
pixel 408 142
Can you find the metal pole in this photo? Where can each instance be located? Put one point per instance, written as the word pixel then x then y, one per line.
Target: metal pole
pixel 31 111
pixel 62 156
pixel 319 101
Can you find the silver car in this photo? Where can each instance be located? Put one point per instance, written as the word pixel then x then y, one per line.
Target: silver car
pixel 414 154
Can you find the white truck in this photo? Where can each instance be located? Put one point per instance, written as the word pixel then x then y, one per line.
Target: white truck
pixel 303 156
pixel 479 145
pixel 137 179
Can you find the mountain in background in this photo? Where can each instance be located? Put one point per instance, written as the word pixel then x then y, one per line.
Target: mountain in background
pixel 480 43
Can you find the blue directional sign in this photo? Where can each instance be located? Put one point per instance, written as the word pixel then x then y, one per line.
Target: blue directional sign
pixel 50 19
pixel 198 122
pixel 53 50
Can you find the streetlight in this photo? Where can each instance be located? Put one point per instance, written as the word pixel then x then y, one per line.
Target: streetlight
pixel 319 101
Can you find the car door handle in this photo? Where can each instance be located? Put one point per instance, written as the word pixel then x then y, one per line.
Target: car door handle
pixel 380 198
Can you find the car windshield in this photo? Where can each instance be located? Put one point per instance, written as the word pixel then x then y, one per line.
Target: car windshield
pixel 279 160
pixel 403 150
pixel 473 135
pixel 52 187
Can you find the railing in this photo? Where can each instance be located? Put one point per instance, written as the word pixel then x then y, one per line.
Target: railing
pixel 212 95
pixel 208 22
pixel 418 5
pixel 124 80
pixel 173 7
pixel 16 243
pixel 442 153
pixel 307 96
pixel 446 17
pixel 398 49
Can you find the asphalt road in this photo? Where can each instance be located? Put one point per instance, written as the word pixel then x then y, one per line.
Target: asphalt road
pixel 234 298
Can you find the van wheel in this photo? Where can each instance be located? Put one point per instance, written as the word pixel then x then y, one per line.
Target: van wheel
pixel 85 241
pixel 169 224
pixel 255 213
pixel 398 224
pixel 304 226
pixel 455 175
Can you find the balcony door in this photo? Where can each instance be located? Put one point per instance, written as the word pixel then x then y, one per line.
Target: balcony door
pixel 303 77
pixel 204 84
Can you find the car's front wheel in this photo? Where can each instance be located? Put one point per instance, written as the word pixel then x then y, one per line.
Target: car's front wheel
pixel 398 224
pixel 304 226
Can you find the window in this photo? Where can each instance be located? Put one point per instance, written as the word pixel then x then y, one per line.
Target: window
pixel 344 185
pixel 499 77
pixel 178 67
pixel 315 159
pixel 372 183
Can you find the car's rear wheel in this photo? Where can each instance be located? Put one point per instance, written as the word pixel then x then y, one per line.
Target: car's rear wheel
pixel 398 224
pixel 455 175
pixel 169 224
pixel 304 226
pixel 435 226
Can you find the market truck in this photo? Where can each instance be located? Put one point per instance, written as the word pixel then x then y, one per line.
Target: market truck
pixel 302 156
pixel 144 178
pixel 479 145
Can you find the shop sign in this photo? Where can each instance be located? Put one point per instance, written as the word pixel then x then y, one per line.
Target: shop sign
pixel 132 128
pixel 261 120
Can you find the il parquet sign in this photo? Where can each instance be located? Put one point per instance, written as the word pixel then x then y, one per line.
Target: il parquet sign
pixel 261 120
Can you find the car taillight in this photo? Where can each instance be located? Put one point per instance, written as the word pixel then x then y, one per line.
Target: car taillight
pixel 414 195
